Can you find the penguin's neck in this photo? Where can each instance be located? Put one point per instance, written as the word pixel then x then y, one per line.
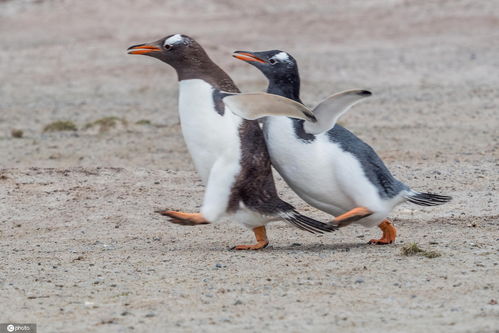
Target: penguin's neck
pixel 209 72
pixel 286 86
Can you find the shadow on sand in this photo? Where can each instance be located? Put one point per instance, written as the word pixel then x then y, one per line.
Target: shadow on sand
pixel 341 247
pixel 319 247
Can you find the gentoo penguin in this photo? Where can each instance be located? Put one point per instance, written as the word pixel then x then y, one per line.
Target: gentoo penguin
pixel 324 163
pixel 228 152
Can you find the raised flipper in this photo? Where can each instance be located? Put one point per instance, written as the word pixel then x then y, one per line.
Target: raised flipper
pixel 332 108
pixel 253 106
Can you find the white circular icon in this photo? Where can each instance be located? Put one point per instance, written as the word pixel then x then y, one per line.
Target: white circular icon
pixel 10 328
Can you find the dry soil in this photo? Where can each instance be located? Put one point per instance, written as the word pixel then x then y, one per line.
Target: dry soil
pixel 82 250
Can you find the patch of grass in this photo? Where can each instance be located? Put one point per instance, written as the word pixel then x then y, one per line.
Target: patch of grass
pixel 431 254
pixel 59 126
pixel 143 122
pixel 106 123
pixel 413 249
pixel 17 133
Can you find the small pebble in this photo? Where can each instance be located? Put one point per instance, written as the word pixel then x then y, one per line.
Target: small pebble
pixel 17 133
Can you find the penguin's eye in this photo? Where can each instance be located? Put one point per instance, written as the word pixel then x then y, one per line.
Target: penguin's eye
pixel 168 46
pixel 272 61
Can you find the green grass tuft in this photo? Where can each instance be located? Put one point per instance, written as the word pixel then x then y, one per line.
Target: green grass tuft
pixel 431 254
pixel 143 122
pixel 106 123
pixel 59 126
pixel 413 249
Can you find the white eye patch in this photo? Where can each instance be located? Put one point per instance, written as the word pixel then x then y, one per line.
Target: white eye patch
pixel 173 39
pixel 282 56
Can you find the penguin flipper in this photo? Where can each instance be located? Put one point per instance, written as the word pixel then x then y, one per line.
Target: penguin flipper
pixel 332 108
pixel 253 106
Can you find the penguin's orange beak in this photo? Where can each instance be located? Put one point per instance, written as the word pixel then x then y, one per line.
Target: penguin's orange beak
pixel 143 49
pixel 246 56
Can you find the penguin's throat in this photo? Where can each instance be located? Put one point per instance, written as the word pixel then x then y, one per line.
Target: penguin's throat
pixel 286 87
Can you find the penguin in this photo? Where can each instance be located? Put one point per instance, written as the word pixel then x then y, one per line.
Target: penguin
pixel 228 152
pixel 324 163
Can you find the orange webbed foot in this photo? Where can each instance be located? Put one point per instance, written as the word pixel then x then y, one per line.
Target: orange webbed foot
pixel 389 234
pixel 353 215
pixel 257 246
pixel 184 218
pixel 261 241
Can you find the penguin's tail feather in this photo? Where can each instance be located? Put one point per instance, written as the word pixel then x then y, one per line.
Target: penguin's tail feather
pixel 305 223
pixel 427 199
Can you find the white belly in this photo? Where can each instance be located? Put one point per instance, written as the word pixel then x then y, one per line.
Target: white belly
pixel 320 172
pixel 207 134
pixel 215 147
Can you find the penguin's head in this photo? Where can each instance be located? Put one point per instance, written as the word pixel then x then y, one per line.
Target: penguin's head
pixel 274 64
pixel 176 50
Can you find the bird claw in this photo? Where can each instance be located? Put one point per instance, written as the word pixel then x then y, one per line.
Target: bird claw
pixel 381 241
pixel 257 246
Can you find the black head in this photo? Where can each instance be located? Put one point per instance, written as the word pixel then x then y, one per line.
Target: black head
pixel 187 57
pixel 273 64
pixel 279 67
pixel 176 50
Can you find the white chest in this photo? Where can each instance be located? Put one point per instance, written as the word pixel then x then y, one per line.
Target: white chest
pixel 320 172
pixel 302 165
pixel 207 134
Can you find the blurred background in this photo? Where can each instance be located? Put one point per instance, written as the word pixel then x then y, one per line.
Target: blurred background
pixel 71 96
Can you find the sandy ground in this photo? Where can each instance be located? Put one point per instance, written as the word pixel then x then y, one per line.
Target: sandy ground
pixel 82 250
